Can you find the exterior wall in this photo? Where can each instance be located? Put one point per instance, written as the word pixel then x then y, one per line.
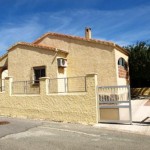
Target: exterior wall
pixel 4 61
pixel 61 72
pixel 4 74
pixel 3 65
pixel 121 78
pixel 122 72
pixel 77 107
pixel 22 59
pixel 86 57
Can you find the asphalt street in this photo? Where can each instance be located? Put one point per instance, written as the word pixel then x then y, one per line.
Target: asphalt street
pixel 24 134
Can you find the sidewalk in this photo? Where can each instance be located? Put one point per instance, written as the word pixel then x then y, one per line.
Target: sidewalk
pixel 137 128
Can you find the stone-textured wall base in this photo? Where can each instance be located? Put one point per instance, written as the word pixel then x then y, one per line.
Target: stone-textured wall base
pixel 76 107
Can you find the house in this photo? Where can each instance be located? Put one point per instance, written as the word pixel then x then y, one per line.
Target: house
pixel 57 55
pixel 55 78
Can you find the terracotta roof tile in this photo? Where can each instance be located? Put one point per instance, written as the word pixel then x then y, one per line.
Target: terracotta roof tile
pixel 71 37
pixel 36 46
pixel 83 39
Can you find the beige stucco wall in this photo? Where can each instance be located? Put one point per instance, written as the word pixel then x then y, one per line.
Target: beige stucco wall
pixel 86 57
pixel 22 59
pixel 4 61
pixel 118 54
pixel 77 107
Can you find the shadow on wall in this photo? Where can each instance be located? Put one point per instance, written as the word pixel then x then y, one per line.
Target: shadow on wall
pixel 135 92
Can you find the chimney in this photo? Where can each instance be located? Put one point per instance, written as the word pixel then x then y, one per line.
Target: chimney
pixel 88 33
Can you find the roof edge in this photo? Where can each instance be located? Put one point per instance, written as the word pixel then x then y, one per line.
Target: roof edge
pixel 36 46
pixel 3 56
pixel 71 37
pixel 83 39
pixel 121 49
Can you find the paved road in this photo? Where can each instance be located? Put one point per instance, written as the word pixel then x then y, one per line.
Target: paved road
pixel 40 135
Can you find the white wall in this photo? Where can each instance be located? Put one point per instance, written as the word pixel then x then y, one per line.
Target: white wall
pixel 118 54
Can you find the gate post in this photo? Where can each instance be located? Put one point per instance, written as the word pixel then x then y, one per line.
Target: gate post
pixel 130 108
pixel 8 85
pixel 91 87
pixel 44 85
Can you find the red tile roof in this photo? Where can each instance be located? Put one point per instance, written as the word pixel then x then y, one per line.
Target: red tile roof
pixel 83 39
pixel 36 46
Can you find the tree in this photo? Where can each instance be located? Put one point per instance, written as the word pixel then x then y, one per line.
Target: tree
pixel 139 64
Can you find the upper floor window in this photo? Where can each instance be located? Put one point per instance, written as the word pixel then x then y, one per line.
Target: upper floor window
pixel 122 62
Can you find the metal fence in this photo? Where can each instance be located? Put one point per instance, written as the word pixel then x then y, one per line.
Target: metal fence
pixel 115 99
pixel 67 85
pixel 113 93
pixel 2 85
pixel 25 87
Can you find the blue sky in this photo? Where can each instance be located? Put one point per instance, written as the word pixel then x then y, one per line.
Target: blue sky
pixel 121 21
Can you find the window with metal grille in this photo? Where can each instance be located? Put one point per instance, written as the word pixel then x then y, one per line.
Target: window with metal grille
pixel 38 73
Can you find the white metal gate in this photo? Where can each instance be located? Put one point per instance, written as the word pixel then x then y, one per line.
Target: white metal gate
pixel 114 104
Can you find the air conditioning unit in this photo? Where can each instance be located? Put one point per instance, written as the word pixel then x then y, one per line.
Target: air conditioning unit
pixel 62 62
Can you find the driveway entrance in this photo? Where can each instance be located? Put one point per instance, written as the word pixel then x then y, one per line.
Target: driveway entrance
pixel 114 104
pixel 141 110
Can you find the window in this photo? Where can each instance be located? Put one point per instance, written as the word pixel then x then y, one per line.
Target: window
pixel 38 73
pixel 122 68
pixel 122 62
